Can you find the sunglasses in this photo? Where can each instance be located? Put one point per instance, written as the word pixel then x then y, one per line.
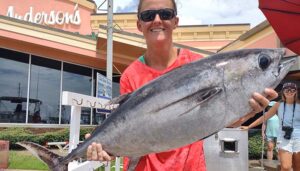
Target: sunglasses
pixel 290 90
pixel 164 14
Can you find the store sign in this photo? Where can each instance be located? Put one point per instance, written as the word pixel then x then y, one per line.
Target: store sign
pixel 104 87
pixel 51 18
pixel 104 90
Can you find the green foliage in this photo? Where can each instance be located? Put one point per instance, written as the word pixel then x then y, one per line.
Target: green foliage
pixel 255 142
pixel 14 135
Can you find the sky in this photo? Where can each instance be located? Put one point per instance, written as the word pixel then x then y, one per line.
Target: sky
pixel 199 12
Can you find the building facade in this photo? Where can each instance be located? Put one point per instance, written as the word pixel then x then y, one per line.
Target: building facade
pixel 60 45
pixel 47 48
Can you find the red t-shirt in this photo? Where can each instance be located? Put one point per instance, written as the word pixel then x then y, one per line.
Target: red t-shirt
pixel 187 158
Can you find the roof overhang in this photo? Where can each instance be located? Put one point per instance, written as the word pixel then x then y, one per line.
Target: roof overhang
pixel 49 42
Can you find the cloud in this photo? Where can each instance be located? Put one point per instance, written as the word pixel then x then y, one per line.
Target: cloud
pixel 130 6
pixel 196 12
pixel 219 11
pixel 120 6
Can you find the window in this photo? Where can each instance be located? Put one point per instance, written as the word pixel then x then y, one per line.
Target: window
pixel 79 80
pixel 44 91
pixel 13 86
pixel 46 78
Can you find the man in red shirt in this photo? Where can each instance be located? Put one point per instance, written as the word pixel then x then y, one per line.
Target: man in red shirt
pixel 190 157
pixel 156 20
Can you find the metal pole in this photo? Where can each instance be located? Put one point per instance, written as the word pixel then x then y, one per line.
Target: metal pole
pixel 263 141
pixel 109 57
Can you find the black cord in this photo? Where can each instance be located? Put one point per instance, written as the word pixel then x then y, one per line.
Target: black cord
pixel 294 106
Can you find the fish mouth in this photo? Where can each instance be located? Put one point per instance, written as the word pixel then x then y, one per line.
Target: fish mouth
pixel 285 63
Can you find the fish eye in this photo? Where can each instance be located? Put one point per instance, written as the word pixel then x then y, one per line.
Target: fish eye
pixel 264 61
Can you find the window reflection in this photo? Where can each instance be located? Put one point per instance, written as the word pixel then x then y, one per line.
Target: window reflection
pixel 45 89
pixel 116 89
pixel 13 86
pixel 76 79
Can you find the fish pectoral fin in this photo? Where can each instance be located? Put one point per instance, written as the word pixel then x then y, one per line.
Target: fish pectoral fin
pixel 201 96
pixel 205 94
pixel 195 99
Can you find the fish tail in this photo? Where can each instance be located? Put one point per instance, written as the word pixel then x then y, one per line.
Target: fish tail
pixel 51 159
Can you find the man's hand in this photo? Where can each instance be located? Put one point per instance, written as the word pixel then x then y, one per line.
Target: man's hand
pixel 244 128
pixel 96 153
pixel 259 102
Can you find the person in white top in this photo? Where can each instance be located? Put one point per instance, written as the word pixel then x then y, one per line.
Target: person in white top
pixel 288 110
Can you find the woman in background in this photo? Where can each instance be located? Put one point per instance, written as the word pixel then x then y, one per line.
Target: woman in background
pixel 288 110
pixel 270 132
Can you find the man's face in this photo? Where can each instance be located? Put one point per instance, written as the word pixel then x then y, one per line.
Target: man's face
pixel 157 30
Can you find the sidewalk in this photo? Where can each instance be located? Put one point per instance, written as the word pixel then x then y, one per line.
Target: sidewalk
pixel 255 165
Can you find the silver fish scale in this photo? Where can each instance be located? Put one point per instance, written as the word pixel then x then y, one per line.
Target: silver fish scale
pixel 167 114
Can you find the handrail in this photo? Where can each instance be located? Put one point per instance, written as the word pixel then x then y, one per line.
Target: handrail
pixel 76 101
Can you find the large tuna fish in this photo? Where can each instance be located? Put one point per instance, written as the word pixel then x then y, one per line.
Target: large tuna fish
pixel 182 106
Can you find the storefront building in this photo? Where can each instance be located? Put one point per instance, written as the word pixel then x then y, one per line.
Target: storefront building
pixel 46 49
pixel 60 45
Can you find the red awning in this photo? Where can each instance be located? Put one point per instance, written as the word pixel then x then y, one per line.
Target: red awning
pixel 284 16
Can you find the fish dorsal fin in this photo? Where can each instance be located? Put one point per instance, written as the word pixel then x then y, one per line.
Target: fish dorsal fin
pixel 119 100
pixel 114 103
